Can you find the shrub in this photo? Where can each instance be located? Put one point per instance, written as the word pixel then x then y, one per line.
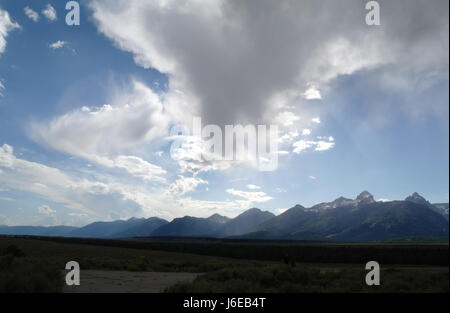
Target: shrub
pixel 14 251
pixel 22 276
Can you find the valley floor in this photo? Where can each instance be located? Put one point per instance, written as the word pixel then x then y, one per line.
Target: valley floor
pixel 97 281
pixel 33 264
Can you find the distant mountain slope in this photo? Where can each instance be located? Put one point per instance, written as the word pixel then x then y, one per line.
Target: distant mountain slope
pixel 214 226
pixel 108 229
pixel 144 229
pixel 396 219
pixel 283 224
pixel 441 208
pixel 363 197
pixel 244 222
pixel 218 218
pixel 37 230
pixel 188 226
pixel 358 220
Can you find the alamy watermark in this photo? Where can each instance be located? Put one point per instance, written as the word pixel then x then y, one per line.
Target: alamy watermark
pixel 73 16
pixel 373 16
pixel 373 276
pixel 73 276
pixel 250 143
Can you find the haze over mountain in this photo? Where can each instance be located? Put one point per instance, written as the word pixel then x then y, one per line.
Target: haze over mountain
pixel 37 230
pixel 442 208
pixel 245 222
pixel 189 226
pixel 359 219
pixel 219 218
pixel 111 229
pixel 118 229
pixel 143 229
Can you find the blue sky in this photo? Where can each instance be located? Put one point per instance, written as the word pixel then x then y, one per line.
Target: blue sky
pixel 86 111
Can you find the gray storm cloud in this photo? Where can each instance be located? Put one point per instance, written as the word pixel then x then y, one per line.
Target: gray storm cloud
pixel 231 59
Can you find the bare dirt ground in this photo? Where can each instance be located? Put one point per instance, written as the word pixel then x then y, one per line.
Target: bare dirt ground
pixel 96 281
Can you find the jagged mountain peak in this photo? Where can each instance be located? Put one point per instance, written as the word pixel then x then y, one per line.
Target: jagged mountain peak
pixel 218 218
pixel 417 198
pixel 340 202
pixel 365 196
pixel 252 211
pixel 135 219
pixel 245 221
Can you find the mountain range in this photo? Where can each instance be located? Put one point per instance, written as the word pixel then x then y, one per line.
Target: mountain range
pixel 359 219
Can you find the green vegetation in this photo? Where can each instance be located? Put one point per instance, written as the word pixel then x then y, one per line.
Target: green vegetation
pixel 37 264
pixel 276 250
pixel 280 278
pixel 20 274
pixel 95 257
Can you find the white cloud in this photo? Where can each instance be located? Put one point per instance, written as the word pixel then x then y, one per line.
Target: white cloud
pixel 288 137
pixel 140 168
pixel 251 196
pixel 279 211
pixel 97 199
pixel 324 145
pixel 92 200
pixel 302 145
pixel 306 132
pixel 58 44
pixel 50 218
pixel 184 185
pixel 32 15
pixel 50 13
pixel 286 118
pixel 232 84
pixel 192 157
pixel 320 145
pixel 37 178
pixel 312 93
pixel 312 177
pixel 228 69
pixel 6 26
pixel 45 209
pixel 341 56
pixel 135 117
pixel 4 220
pixel 280 190
pixel 316 120
pixel 253 187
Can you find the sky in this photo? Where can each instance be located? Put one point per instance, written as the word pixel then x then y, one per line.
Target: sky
pixel 90 113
